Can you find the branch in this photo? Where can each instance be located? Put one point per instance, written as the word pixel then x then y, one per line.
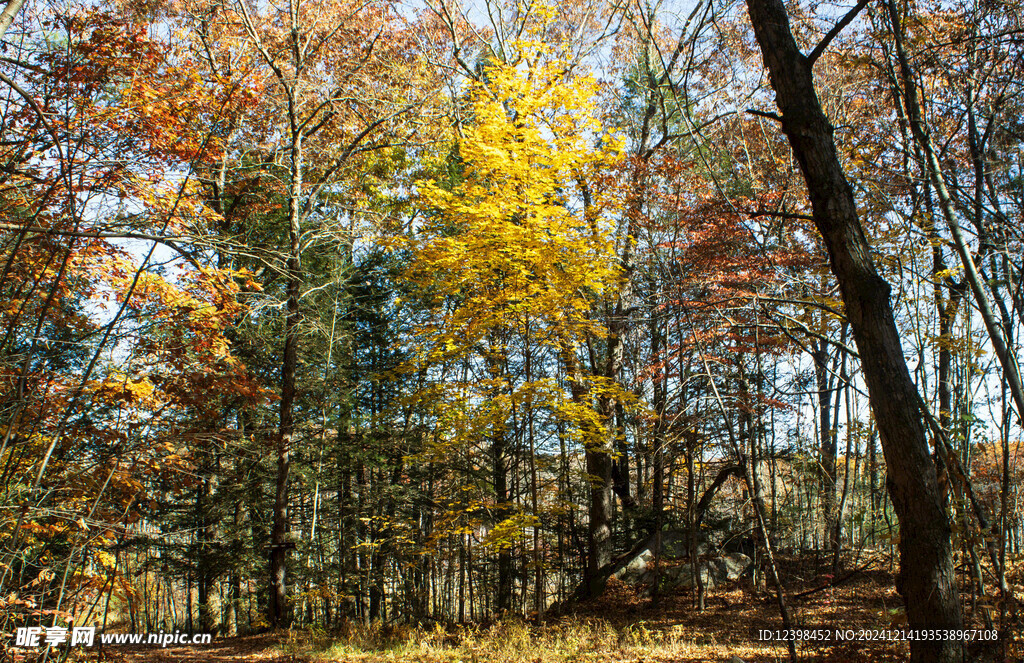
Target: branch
pixel 767 114
pixel 349 150
pixel 709 494
pixel 834 32
pixel 804 302
pixel 166 241
pixel 781 215
pixel 35 106
pixel 813 334
pixel 23 64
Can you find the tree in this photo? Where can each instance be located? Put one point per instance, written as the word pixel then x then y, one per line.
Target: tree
pixel 113 165
pixel 523 242
pixel 319 55
pixel 926 580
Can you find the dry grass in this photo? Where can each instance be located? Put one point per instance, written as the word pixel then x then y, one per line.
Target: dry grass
pixel 621 627
pixel 513 641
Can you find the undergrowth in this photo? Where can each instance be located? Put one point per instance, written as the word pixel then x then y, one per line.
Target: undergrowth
pixel 507 641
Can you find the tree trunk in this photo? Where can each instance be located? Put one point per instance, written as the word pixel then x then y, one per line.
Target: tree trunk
pixel 10 10
pixel 499 451
pixel 926 579
pixel 598 457
pixel 205 535
pixel 539 595
pixel 599 532
pixel 659 355
pixel 279 610
pixel 824 380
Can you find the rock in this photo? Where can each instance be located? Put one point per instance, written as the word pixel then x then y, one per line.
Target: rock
pixel 733 565
pixel 675 544
pixel 636 568
pixel 742 544
pixel 715 570
pixel 684 576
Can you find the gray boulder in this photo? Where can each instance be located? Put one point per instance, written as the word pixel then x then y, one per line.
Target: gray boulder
pixel 685 576
pixel 732 566
pixel 636 568
pixel 714 572
pixel 675 544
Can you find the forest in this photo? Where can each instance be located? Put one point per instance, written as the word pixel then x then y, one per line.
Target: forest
pixel 512 331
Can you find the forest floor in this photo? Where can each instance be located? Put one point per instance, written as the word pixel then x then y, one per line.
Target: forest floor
pixel 620 627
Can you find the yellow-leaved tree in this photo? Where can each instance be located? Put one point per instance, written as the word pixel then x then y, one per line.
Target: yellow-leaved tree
pixel 514 254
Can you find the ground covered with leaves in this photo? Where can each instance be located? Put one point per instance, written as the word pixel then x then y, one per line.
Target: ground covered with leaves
pixel 620 627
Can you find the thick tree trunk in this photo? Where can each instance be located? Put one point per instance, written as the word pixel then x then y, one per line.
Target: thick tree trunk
pixel 279 609
pixel 10 10
pixel 926 579
pixel 598 454
pixel 599 533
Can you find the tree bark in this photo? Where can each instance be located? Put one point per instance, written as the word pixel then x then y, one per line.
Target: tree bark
pixel 205 535
pixel 502 497
pixel 597 452
pixel 658 351
pixel 10 10
pixel 926 579
pixel 279 610
pixel 599 534
pixel 824 380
